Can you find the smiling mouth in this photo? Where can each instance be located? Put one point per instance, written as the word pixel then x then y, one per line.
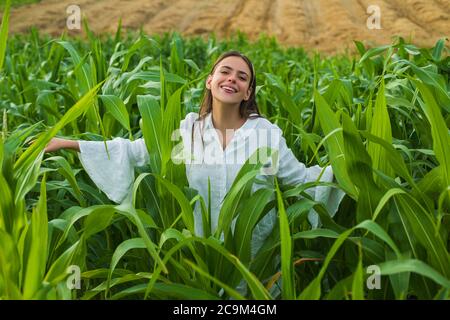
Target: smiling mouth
pixel 228 89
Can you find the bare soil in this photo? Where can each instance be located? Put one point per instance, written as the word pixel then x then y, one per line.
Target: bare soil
pixel 329 26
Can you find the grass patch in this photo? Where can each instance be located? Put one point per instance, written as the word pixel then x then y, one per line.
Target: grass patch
pixel 17 3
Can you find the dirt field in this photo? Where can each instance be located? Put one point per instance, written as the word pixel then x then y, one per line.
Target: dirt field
pixel 326 25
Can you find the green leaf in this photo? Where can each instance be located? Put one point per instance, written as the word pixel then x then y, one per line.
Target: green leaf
pixel 37 238
pixel 233 198
pixel 372 52
pixel 82 70
pixel 66 171
pixel 423 227
pixel 9 267
pixel 287 103
pixel 438 48
pixel 233 293
pixel 416 266
pixel 152 129
pixel 117 108
pixel 288 288
pixel 435 87
pixel 121 250
pixel 334 145
pixel 131 213
pixel 359 167
pixel 439 130
pixel 97 221
pixel 380 127
pixel 4 33
pixel 358 280
pixel 247 220
pixel 186 209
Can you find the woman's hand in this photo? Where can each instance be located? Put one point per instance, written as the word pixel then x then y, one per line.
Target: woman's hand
pixel 56 144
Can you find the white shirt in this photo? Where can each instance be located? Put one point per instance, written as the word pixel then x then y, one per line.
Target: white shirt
pixel 115 176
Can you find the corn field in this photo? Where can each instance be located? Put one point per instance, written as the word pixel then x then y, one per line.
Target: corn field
pixel 380 118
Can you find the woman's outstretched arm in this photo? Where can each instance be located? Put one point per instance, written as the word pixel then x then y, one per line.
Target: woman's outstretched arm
pixel 57 144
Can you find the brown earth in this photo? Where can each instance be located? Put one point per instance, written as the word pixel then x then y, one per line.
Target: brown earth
pixel 326 25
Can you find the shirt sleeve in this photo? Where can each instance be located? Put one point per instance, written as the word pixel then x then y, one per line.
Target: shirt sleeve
pixel 293 172
pixel 113 174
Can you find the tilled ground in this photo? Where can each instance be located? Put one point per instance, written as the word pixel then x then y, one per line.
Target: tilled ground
pixel 326 25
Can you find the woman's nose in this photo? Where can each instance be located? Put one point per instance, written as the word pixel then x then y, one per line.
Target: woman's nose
pixel 232 78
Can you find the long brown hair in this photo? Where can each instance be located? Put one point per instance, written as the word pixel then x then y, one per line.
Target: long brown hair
pixel 247 107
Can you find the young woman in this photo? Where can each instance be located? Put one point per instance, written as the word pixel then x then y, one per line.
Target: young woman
pixel 218 140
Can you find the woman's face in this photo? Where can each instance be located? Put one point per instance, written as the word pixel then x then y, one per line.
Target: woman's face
pixel 230 81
